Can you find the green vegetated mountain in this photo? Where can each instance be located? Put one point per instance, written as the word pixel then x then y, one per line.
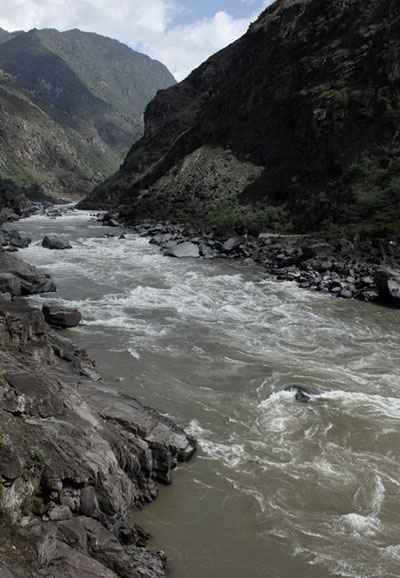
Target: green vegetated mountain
pixel 295 126
pixel 71 104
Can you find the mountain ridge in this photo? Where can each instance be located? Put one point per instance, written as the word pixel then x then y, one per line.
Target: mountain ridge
pixel 310 94
pixel 92 91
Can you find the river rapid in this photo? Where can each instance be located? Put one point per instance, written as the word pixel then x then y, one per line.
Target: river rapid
pixel 278 488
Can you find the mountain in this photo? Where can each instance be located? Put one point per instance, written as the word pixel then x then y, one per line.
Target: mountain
pixel 71 104
pixel 4 35
pixel 292 127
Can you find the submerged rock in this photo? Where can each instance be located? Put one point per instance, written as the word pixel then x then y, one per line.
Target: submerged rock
pixel 300 393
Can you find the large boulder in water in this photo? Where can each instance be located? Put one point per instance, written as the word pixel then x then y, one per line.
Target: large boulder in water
pixel 56 242
pixel 387 282
pixel 183 250
pixel 59 316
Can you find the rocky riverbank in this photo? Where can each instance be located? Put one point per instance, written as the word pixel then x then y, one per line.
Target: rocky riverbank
pixel 75 457
pixel 366 270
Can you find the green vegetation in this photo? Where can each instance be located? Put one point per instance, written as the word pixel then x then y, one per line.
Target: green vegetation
pixel 228 213
pixel 37 456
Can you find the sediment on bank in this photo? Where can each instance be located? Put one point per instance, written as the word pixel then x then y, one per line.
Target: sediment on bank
pixel 76 458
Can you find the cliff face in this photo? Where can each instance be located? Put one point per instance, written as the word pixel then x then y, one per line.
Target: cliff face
pixel 309 97
pixel 71 104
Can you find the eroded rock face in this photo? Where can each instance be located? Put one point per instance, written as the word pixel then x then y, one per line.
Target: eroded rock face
pixel 75 458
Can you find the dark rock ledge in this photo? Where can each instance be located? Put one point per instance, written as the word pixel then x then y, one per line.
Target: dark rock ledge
pixel 75 459
pixel 368 270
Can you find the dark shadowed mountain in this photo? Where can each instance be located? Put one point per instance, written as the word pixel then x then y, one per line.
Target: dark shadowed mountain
pixel 71 104
pixel 293 126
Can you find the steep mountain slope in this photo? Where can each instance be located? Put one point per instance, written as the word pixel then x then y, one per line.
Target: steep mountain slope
pixel 4 35
pixel 76 101
pixel 305 106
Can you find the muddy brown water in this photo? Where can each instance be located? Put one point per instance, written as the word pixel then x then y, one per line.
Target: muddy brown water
pixel 277 489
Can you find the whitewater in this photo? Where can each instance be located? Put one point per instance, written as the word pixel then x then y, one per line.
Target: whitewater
pixel 278 488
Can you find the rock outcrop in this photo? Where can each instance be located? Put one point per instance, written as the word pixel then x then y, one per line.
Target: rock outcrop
pixel 292 127
pixel 75 459
pixel 30 279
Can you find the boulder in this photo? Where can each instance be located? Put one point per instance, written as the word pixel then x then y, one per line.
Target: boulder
pixel 60 513
pixel 232 243
pixel 319 250
pixel 387 283
pixel 183 250
pixel 346 294
pixel 110 221
pixel 59 316
pixel 56 242
pixel 18 240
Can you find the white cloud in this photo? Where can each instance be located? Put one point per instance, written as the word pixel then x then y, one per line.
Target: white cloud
pixel 147 25
pixel 183 48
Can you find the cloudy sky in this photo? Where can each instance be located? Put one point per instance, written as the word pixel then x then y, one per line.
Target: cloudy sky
pixel 179 33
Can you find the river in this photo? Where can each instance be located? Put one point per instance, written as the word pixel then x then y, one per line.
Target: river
pixel 278 488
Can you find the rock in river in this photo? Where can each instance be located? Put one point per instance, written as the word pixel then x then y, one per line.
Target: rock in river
pixel 183 250
pixel 59 316
pixel 56 242
pixel 18 240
